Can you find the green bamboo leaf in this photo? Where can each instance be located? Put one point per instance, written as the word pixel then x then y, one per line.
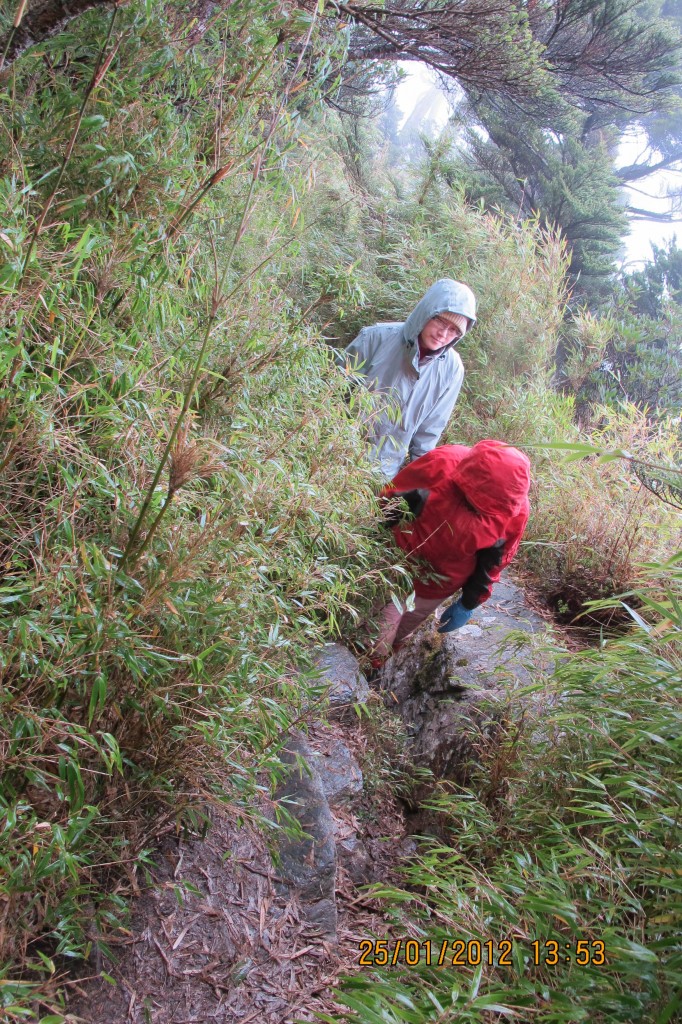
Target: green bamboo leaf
pixel 94 121
pixel 362 1006
pixel 637 617
pixel 98 696
pixel 669 1010
pixel 475 982
pixel 489 1003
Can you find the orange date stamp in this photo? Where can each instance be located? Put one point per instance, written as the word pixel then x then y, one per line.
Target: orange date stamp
pixel 474 952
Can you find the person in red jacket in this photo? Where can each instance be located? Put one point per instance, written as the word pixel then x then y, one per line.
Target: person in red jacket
pixel 470 508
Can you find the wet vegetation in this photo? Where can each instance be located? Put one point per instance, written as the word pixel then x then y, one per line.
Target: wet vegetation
pixel 196 201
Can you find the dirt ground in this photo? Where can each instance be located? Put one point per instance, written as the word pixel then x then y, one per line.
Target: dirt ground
pixel 210 939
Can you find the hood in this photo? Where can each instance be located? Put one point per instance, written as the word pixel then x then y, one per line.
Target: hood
pixel 445 295
pixel 494 478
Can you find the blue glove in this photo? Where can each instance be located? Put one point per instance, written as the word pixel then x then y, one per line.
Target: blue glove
pixel 455 617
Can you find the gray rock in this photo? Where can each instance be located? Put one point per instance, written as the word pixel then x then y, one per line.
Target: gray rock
pixel 354 857
pixel 339 772
pixel 324 915
pixel 307 863
pixel 406 848
pixel 347 685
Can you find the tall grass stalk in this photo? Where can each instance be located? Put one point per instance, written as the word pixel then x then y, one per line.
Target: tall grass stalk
pixel 217 301
pixel 18 15
pixel 102 65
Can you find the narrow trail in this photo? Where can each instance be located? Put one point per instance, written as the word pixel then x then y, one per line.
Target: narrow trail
pixel 219 933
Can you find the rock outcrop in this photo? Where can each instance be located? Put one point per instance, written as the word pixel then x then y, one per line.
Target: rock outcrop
pixel 340 671
pixel 450 687
pixel 307 862
pixel 323 777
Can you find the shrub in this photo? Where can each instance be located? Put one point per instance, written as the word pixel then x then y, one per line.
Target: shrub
pixel 185 509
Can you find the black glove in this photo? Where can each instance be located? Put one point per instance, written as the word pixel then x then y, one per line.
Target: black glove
pixel 479 581
pixel 394 510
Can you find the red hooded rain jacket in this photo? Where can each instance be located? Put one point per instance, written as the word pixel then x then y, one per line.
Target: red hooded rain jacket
pixel 477 496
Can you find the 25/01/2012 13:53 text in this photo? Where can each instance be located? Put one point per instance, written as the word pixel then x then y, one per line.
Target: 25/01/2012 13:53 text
pixel 459 953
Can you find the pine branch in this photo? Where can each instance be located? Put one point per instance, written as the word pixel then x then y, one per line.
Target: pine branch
pixel 633 172
pixel 662 218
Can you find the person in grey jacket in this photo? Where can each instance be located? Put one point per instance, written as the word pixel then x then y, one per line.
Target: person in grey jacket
pixel 414 367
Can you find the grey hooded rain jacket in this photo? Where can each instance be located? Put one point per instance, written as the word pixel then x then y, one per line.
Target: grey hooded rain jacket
pixel 419 397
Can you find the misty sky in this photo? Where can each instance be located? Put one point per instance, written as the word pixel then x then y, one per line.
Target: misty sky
pixel 642 232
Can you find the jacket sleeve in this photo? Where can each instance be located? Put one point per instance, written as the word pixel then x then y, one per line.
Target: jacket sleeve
pixel 428 432
pixel 478 587
pixel 357 357
pixel 489 565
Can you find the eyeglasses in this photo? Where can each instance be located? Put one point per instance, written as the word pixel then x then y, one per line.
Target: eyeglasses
pixel 447 326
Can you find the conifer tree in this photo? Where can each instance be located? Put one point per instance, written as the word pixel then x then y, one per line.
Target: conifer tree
pixel 658 283
pixel 570 184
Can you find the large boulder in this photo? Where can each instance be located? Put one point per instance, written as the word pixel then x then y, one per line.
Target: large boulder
pixel 347 685
pixel 339 772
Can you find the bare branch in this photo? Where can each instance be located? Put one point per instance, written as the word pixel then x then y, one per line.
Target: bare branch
pixel 633 172
pixel 662 218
